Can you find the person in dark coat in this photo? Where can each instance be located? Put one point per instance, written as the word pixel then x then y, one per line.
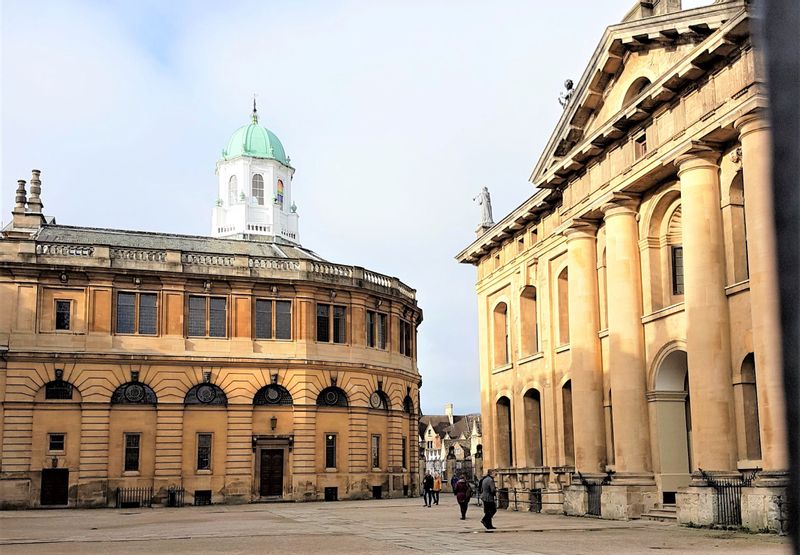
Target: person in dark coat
pixel 427 490
pixel 463 494
pixel 488 496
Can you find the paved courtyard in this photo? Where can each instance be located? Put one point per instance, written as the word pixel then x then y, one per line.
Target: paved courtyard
pixel 394 526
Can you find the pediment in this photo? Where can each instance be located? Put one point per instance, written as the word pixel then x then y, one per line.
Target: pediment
pixel 629 55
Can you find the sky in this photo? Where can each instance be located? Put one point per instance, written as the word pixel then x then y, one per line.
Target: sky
pixel 395 114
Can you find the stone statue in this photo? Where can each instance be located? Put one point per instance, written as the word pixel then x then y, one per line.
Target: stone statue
pixel 485 202
pixel 566 94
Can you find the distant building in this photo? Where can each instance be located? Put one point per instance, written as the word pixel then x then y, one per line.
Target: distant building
pixel 439 433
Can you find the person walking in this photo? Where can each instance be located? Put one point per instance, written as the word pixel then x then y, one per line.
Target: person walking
pixel 427 487
pixel 463 494
pixel 488 496
pixel 453 482
pixel 437 488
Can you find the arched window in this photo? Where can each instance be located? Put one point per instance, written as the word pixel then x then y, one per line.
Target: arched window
pixel 379 400
pixel 279 193
pixel 527 307
pixel 408 405
pixel 752 430
pixel 563 307
pixel 501 335
pixel 569 434
pixel 206 394
pixel 662 261
pixel 134 393
pixel 505 437
pixel 273 394
pixel 258 189
pixel 233 190
pixel 332 397
pixel 58 390
pixel 533 427
pixel 635 90
pixel 735 212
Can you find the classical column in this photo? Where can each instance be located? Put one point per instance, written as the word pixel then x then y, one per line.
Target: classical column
pixel 625 337
pixel 754 135
pixel 586 366
pixel 706 310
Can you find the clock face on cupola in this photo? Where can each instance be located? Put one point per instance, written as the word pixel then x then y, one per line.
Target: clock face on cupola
pixel 254 198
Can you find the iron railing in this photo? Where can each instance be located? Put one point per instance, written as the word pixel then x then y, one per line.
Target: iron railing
pixel 128 498
pixel 175 496
pixel 728 490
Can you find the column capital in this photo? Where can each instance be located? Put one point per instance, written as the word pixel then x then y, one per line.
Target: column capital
pixel 619 204
pixel 757 120
pixel 696 155
pixel 581 229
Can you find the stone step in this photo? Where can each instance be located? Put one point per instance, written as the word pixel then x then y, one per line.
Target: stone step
pixel 667 513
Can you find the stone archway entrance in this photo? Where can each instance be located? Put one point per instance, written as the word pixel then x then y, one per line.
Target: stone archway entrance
pixel 673 424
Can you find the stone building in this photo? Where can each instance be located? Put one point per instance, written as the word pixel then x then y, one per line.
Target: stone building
pixel 452 437
pixel 628 321
pixel 237 368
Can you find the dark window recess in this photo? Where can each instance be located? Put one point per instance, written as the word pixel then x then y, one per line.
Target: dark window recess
pixel 339 335
pixel 203 453
pixel 404 447
pixel 332 397
pixel 202 497
pixel 132 452
pixel 197 316
pixel 323 322
pixel 640 146
pixel 677 270
pixel 382 318
pixel 283 319
pixel 263 319
pixel 330 450
pixel 376 451
pixel 331 494
pixel 148 315
pixel 370 325
pixel 56 442
pixel 406 338
pixel 217 318
pixel 377 492
pixel 63 314
pixel 126 312
pixel 58 390
pixel 376 329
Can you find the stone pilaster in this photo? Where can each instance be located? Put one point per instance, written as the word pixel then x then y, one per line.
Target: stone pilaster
pixel 93 470
pixel 586 369
pixel 304 480
pixel 706 308
pixel 239 454
pixel 169 448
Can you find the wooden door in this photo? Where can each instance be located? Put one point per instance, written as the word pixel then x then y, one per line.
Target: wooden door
pixel 271 472
pixel 55 486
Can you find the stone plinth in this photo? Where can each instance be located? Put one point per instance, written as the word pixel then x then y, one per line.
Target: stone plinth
pixel 764 504
pixel 576 500
pixel 627 502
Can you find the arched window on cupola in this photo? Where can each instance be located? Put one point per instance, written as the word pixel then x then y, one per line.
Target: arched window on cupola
pixel 279 193
pixel 273 394
pixel 134 393
pixel 233 190
pixel 332 397
pixel 258 189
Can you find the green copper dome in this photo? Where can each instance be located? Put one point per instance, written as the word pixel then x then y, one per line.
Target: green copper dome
pixel 256 141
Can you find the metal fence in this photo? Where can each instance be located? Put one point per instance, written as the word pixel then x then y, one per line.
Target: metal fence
pixel 728 491
pixel 134 497
pixel 175 496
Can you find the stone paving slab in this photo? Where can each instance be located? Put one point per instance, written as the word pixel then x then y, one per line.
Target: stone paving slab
pixel 392 526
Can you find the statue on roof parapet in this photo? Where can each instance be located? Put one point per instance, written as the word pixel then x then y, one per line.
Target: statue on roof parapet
pixel 566 95
pixel 485 202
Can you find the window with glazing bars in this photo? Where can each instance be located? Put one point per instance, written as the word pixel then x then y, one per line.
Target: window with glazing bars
pixel 273 319
pixel 208 316
pixel 406 338
pixel 376 451
pixel 56 442
pixel 677 270
pixel 330 450
pixel 331 323
pixel 137 313
pixel 132 442
pixel 63 309
pixel 203 451
pixel 376 329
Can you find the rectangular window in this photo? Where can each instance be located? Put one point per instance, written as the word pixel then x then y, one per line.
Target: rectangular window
pixel 330 450
pixel 137 313
pixel 56 442
pixel 376 451
pixel 63 310
pixel 376 329
pixel 640 146
pixel 404 456
pixel 282 324
pixel 208 316
pixel 521 244
pixel 203 451
pixel 406 338
pixel 430 445
pixel 331 323
pixel 263 319
pixel 677 270
pixel 283 319
pixel 132 442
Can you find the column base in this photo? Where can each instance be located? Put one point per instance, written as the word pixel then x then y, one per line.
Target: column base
pixel 764 503
pixel 628 496
pixel 576 495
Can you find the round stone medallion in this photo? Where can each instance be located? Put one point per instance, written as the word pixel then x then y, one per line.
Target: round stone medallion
pixel 273 396
pixel 134 393
pixel 375 400
pixel 206 394
pixel 331 397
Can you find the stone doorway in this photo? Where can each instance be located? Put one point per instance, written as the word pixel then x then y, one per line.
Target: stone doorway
pixel 55 486
pixel 271 474
pixel 673 424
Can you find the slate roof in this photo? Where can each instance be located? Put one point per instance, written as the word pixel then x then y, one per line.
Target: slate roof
pixel 441 424
pixel 275 248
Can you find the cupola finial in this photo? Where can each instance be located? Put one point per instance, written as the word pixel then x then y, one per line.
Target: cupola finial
pixel 255 111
